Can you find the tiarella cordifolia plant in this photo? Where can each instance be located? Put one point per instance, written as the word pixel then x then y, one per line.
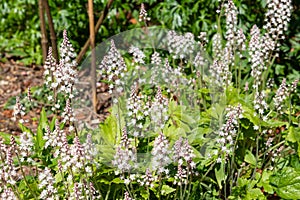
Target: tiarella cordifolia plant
pixel 229 131
pixel 159 110
pixel 49 70
pixel 112 69
pixel 180 46
pixel 258 65
pixel 138 110
pixel 46 184
pixel 161 155
pixel 231 23
pixel 138 56
pixel 183 154
pixel 125 157
pixel 277 18
pixel 61 76
pixel 19 111
pixel 143 14
pixel 280 97
pixel 167 141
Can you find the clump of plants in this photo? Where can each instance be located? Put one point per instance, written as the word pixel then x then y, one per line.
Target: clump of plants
pixel 199 118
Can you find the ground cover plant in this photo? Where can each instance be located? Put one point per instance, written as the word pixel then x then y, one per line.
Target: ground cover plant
pixel 193 118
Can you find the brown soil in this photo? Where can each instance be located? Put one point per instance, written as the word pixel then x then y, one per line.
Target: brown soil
pixel 16 78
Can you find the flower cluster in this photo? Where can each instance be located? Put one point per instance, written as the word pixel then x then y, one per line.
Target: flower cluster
pixel 199 60
pixel 293 87
pixel 53 139
pixel 125 156
pixel 19 111
pixel 127 196
pixel 61 76
pixel 240 42
pixel 256 56
pixel 283 92
pixel 78 158
pixel 160 153
pixel 228 131
pixel 277 18
pixel 260 105
pixel 138 110
pixel 181 176
pixel 112 69
pixel 49 68
pixel 8 171
pixel 217 46
pixel 231 22
pixel 156 59
pixel 46 184
pixel 183 154
pixel 138 55
pixel 220 73
pixel 77 192
pixel 147 179
pixel 8 194
pixel 280 96
pixel 26 145
pixel 143 14
pixel 68 115
pixel 66 71
pixel 181 46
pixel 159 110
pixel 90 149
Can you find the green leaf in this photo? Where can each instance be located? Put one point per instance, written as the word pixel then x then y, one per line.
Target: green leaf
pixel 265 183
pixel 291 136
pixel 220 175
pixel 43 123
pixel 52 123
pixel 165 190
pixel 187 119
pixel 108 130
pixel 250 158
pixel 286 183
pixel 254 193
pixel 24 128
pixel 6 137
pixel 58 178
pixel 117 181
pixel 145 194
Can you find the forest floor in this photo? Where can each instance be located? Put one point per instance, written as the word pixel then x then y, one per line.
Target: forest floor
pixel 15 79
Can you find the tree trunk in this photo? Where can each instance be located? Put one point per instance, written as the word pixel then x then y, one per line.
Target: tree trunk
pixel 93 60
pixel 44 41
pixel 52 31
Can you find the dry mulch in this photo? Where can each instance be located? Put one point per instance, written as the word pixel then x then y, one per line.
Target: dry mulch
pixel 15 79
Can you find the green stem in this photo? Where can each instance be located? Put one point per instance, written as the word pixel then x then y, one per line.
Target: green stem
pixel 23 174
pixel 256 156
pixel 107 193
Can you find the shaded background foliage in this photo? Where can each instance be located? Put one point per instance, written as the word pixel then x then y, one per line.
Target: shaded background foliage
pixel 20 27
